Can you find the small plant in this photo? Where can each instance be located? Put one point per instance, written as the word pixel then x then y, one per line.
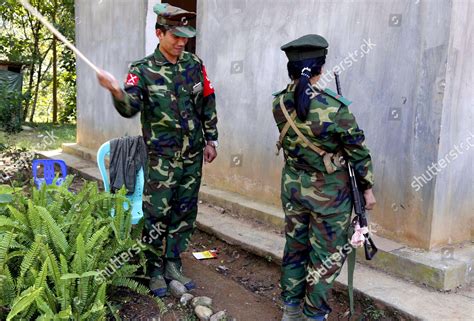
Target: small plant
pixel 371 312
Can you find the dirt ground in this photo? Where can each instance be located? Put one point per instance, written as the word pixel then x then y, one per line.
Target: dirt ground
pixel 244 285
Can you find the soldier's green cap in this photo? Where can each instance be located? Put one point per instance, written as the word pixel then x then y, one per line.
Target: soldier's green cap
pixel 306 47
pixel 175 19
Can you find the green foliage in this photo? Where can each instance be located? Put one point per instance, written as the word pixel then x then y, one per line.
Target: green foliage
pixel 24 39
pixel 54 248
pixel 10 110
pixel 371 311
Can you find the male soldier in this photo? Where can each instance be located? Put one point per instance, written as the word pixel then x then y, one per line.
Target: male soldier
pixel 178 115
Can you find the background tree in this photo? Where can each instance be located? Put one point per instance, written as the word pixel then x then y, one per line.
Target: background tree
pixel 49 74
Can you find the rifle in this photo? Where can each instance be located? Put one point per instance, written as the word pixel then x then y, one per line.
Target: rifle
pixel 358 200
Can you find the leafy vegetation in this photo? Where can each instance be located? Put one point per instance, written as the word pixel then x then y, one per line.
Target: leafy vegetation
pixel 49 90
pixel 54 246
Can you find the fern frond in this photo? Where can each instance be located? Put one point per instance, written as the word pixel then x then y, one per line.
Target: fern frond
pixel 7 286
pixel 131 284
pixel 52 264
pixel 96 240
pixel 17 215
pixel 23 302
pixel 86 226
pixel 31 256
pixel 5 243
pixel 58 239
pixel 34 219
pixel 79 260
pixel 7 224
pixel 44 308
pixel 127 270
pixel 83 293
pixel 41 277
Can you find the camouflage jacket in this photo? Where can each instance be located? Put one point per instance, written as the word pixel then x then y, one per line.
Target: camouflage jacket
pixel 331 126
pixel 176 101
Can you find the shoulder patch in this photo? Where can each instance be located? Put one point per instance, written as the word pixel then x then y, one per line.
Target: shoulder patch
pixel 279 92
pixel 338 97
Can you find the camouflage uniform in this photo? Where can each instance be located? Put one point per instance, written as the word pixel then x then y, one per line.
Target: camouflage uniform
pixel 317 205
pixel 178 115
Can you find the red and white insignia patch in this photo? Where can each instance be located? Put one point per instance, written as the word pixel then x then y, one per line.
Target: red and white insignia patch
pixel 132 80
pixel 208 88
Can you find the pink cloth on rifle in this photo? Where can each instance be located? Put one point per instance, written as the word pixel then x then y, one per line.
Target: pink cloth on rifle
pixel 358 237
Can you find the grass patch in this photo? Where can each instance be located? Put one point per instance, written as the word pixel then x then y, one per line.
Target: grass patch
pixel 43 136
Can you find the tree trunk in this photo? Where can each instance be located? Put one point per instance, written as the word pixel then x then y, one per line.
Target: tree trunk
pixel 36 35
pixel 30 87
pixel 38 80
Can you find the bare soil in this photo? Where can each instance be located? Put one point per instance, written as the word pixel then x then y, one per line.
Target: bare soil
pixel 244 285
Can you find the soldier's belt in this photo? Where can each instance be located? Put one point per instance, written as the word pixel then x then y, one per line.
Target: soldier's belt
pixel 332 161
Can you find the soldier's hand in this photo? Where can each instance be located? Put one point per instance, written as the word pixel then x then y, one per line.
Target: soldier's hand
pixel 210 154
pixel 109 82
pixel 369 199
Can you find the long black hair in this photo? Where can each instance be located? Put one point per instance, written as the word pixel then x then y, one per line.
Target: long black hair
pixel 302 71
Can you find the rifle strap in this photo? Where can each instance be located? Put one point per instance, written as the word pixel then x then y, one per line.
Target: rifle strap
pixel 329 159
pixel 279 143
pixel 351 259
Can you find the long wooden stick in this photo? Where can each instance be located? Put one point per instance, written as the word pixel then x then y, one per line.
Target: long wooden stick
pixel 60 36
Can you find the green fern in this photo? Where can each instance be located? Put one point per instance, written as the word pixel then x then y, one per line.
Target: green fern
pixel 59 244
pixel 17 215
pixel 44 308
pixel 65 285
pixel 79 260
pixel 5 243
pixel 41 277
pixel 58 239
pixel 49 256
pixel 96 240
pixel 31 256
pixel 8 224
pixel 23 302
pixel 131 284
pixel 8 288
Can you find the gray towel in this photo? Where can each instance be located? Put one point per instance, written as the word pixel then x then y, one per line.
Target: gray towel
pixel 127 156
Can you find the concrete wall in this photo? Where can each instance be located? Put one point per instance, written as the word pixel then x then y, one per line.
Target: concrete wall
pixel 407 67
pixel 398 90
pixel 111 34
pixel 454 203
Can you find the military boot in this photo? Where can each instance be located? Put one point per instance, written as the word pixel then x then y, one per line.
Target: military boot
pixel 173 271
pixel 157 282
pixel 292 312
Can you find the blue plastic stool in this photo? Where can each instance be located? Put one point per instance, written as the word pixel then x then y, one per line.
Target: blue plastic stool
pixel 135 198
pixel 48 171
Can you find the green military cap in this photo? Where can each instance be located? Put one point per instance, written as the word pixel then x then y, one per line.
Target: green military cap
pixel 175 19
pixel 306 47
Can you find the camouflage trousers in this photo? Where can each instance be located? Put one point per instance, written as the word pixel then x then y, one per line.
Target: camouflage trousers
pixel 316 247
pixel 170 205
